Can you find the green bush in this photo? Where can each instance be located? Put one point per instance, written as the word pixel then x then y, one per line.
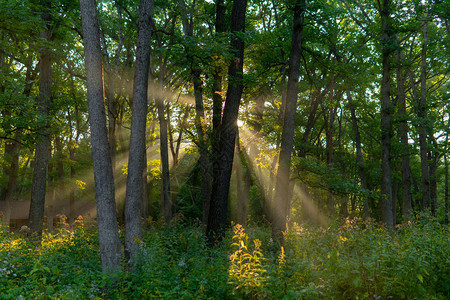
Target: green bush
pixel 353 260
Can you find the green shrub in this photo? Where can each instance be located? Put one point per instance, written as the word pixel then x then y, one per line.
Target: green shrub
pixel 353 260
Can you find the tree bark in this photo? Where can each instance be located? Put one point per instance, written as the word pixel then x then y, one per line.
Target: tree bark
pixel 167 206
pixel 39 182
pixel 359 154
pixel 434 158
pixel 217 83
pixel 446 197
pixel 423 125
pixel 217 98
pixel 202 145
pixel 223 157
pixel 446 200
pixel 60 169
pixel 73 140
pixel 242 196
pixel 110 245
pixel 403 133
pixel 329 131
pixel 281 208
pixel 136 159
pixel 386 122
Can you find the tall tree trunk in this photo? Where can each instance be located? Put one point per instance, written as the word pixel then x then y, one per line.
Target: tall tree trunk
pixel 329 126
pixel 359 154
pixel 200 123
pixel 241 191
pixel 281 208
pixel 147 187
pixel 394 200
pixel 39 182
pixel 403 133
pixel 217 83
pixel 386 122
pixel 72 185
pixel 49 211
pixel 136 159
pixel 216 119
pixel 434 158
pixel 223 158
pixel 167 206
pixel 423 127
pixel 61 190
pixel 217 98
pixel 446 200
pixel 108 234
pixel 204 155
pixel 73 140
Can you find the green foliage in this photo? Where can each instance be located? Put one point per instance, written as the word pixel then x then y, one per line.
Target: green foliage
pixel 246 271
pixel 353 260
pixel 63 266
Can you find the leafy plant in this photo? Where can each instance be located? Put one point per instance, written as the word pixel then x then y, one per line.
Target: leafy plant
pixel 247 273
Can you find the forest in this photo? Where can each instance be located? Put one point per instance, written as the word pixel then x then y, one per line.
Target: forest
pixel 224 149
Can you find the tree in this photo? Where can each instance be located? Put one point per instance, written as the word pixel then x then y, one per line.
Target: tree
pixel 359 154
pixel 200 124
pixel 422 114
pixel 386 111
pixel 403 133
pixel 110 245
pixel 223 156
pixel 281 209
pixel 136 160
pixel 43 142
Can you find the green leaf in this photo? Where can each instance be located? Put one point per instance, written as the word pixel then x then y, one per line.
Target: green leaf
pixel 420 277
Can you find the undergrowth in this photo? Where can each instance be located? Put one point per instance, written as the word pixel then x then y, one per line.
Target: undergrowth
pixel 352 260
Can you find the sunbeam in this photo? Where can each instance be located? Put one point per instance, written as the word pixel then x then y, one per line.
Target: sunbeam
pixel 261 163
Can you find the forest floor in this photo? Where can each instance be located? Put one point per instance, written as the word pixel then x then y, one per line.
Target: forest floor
pixel 350 260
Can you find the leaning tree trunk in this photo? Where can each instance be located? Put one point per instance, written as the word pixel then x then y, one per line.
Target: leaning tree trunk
pixel 108 234
pixel 281 208
pixel 39 182
pixel 136 160
pixel 223 157
pixel 386 122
